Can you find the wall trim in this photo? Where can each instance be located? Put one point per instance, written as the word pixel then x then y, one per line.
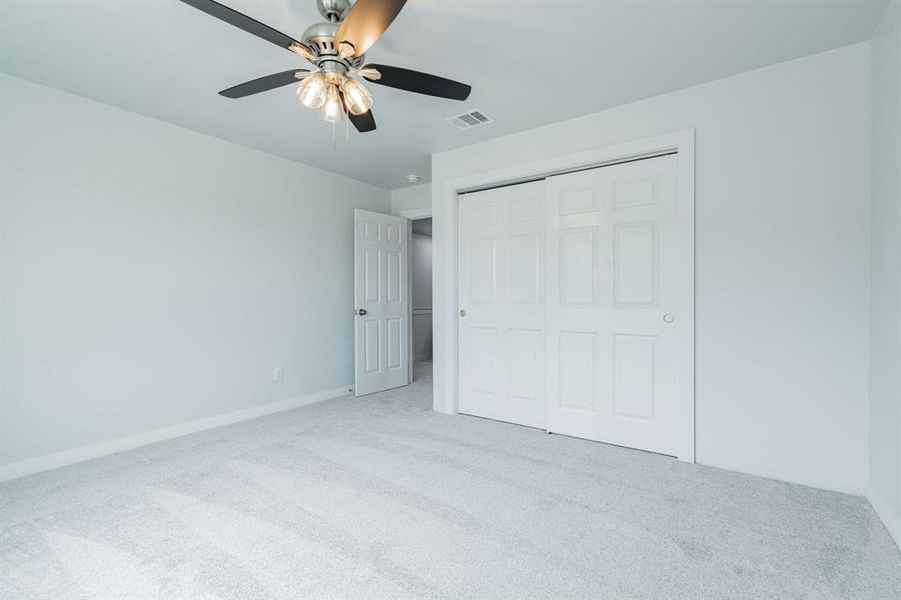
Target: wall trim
pixel 891 521
pixel 445 204
pixel 55 460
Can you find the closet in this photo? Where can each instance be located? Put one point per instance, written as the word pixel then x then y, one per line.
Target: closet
pixel 570 295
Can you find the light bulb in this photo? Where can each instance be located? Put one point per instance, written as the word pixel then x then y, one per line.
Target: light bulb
pixel 303 50
pixel 345 50
pixel 356 96
pixel 369 73
pixel 332 111
pixel 312 91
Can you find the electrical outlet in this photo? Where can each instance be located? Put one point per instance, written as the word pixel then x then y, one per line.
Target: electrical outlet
pixel 278 375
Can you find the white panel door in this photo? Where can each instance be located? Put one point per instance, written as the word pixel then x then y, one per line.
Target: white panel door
pixel 502 315
pixel 616 304
pixel 381 334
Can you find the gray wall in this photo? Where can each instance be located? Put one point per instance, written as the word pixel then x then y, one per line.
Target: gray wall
pixel 152 275
pixel 422 296
pixel 885 274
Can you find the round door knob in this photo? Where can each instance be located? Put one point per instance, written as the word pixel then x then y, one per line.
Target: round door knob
pixel 361 312
pixel 462 313
pixel 669 318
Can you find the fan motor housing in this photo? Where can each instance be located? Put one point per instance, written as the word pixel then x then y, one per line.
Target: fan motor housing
pixel 320 37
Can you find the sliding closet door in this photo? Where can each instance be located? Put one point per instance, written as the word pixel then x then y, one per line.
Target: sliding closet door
pixel 502 314
pixel 615 298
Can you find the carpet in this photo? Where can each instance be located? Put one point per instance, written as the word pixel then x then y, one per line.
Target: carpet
pixel 379 497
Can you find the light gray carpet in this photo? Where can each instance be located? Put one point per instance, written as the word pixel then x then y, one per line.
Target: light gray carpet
pixel 378 497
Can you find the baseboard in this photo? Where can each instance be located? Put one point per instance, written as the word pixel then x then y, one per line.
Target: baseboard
pixel 82 453
pixel 884 511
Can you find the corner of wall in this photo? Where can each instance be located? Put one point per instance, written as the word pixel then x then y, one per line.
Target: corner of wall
pixel 884 397
pixel 884 511
pixel 412 200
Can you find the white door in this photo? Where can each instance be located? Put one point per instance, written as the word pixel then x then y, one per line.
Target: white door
pixel 381 332
pixel 502 316
pixel 619 307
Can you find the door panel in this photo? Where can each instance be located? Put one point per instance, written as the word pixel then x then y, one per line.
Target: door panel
pixel 502 335
pixel 633 376
pixel 382 302
pixel 525 364
pixel 482 266
pixel 577 355
pixel 635 264
pixel 577 268
pixel 611 240
pixel 525 254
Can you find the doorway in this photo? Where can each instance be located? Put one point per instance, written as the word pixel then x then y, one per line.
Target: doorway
pixel 421 295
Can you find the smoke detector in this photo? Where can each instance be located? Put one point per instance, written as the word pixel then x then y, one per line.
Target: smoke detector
pixel 413 178
pixel 469 119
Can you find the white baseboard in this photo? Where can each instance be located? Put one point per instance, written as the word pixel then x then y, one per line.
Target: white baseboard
pixel 73 455
pixel 892 521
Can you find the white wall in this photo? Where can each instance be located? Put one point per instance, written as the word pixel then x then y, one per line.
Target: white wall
pixel 421 253
pixel 782 236
pixel 152 275
pixel 411 198
pixel 885 275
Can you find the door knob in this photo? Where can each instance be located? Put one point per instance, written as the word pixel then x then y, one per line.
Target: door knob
pixel 462 313
pixel 669 318
pixel 361 312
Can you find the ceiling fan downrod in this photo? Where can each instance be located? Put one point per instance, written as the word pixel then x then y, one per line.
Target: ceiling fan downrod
pixel 333 10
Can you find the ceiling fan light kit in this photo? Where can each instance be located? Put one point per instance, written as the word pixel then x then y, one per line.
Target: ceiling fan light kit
pixel 337 49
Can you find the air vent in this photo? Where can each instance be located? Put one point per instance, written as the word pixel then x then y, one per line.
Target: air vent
pixel 469 119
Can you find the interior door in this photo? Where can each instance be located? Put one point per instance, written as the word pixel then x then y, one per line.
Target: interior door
pixel 501 303
pixel 381 294
pixel 616 304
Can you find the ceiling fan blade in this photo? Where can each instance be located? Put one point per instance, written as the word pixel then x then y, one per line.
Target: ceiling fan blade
pixel 242 21
pixel 364 122
pixel 263 84
pixel 421 83
pixel 366 22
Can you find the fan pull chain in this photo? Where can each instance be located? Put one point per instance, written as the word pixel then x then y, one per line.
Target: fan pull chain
pixel 347 131
pixel 333 135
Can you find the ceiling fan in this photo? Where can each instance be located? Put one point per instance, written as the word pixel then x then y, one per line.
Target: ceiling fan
pixel 337 48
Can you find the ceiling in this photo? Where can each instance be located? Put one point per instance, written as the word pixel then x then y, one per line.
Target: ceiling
pixel 530 63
